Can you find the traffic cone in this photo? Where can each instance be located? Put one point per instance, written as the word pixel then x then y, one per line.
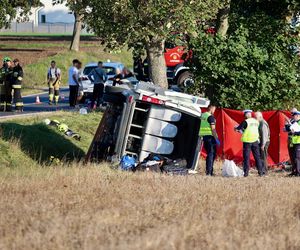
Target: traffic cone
pixel 37 100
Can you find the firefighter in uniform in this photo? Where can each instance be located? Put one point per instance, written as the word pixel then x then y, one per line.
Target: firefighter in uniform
pixel 296 143
pixel 250 138
pixel 17 79
pixel 53 79
pixel 5 85
pixel 2 86
pixel 209 137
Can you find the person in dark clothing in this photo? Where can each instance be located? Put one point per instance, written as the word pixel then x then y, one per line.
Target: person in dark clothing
pixel 250 139
pixel 17 79
pixel 295 130
pixel 117 79
pixel 8 65
pixel 146 70
pixel 5 80
pixel 210 138
pixel 139 68
pixel 73 83
pixel 294 139
pixel 127 73
pixel 264 140
pixel 98 77
pixel 289 122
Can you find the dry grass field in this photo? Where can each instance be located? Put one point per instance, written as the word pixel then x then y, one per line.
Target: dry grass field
pixel 95 207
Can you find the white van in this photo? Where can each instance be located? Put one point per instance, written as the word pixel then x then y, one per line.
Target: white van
pixel 142 118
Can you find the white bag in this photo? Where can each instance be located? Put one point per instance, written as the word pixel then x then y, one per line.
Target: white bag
pixel 230 169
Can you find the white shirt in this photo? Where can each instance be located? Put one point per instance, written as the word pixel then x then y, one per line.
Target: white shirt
pixel 53 71
pixel 73 71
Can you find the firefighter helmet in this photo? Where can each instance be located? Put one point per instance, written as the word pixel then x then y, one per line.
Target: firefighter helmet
pixel 7 59
pixel 63 127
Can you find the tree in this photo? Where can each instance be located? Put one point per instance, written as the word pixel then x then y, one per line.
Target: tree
pixel 12 9
pixel 148 24
pixel 222 19
pixel 79 9
pixel 253 66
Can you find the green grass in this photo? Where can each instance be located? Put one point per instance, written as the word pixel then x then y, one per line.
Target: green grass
pixel 43 45
pixel 36 45
pixel 35 74
pixel 28 142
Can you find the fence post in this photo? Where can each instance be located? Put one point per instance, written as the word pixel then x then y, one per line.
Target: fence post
pixel 32 25
pixel 16 27
pixel 49 27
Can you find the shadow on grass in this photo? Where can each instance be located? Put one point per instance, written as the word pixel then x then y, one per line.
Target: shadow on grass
pixel 40 142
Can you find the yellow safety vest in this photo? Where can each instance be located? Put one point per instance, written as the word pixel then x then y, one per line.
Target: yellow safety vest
pixel 251 133
pixel 296 138
pixel 205 128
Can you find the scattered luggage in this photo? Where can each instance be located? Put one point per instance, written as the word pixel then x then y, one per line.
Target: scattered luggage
pixel 128 163
pixel 155 163
pixel 176 167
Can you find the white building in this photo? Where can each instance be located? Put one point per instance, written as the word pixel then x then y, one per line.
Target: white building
pixel 51 14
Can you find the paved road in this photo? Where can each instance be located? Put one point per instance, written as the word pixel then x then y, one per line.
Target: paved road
pixel 30 105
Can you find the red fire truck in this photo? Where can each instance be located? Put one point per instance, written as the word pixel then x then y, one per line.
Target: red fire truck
pixel 176 56
pixel 177 72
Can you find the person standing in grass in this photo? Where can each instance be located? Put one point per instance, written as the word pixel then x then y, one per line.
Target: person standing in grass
pixel 73 83
pixel 294 137
pixel 264 140
pixel 289 122
pixel 250 139
pixel 209 136
pixel 53 79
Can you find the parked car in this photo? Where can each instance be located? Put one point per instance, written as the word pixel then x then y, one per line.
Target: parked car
pixel 142 118
pixel 111 69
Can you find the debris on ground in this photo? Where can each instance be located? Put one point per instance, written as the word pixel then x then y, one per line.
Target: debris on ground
pixel 155 163
pixel 230 169
pixel 64 128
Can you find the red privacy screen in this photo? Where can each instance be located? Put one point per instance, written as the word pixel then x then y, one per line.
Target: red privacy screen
pixel 231 146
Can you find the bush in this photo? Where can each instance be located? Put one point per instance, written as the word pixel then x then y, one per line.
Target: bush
pixel 248 68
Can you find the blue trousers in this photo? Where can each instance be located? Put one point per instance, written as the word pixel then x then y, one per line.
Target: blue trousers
pixel 297 158
pixel 247 148
pixel 210 146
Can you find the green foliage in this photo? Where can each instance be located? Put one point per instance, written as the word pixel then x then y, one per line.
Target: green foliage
pixel 135 22
pixel 8 10
pixel 250 68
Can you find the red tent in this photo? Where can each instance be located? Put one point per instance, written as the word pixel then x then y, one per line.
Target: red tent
pixel 231 145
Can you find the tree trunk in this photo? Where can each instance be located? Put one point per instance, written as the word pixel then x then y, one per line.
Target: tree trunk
pixel 76 32
pixel 157 63
pixel 222 21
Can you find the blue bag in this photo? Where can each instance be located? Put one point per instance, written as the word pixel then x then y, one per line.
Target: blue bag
pixel 127 163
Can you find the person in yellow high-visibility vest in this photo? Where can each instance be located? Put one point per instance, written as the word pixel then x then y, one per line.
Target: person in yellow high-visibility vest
pixel 209 136
pixel 294 128
pixel 250 138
